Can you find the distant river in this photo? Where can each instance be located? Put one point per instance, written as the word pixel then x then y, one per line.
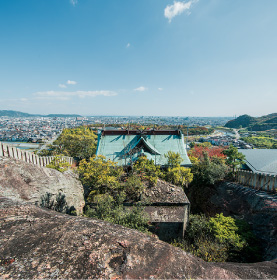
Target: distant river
pixel 23 145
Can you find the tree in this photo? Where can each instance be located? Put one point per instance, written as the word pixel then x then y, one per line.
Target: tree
pixel 146 170
pixel 79 142
pixel 100 175
pixel 234 157
pixel 179 176
pixel 173 159
pixel 208 172
pixel 212 152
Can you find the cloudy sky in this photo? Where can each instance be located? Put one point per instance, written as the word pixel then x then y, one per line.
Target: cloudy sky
pixel 144 57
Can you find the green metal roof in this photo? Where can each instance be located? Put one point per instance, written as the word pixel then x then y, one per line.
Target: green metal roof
pixel 124 148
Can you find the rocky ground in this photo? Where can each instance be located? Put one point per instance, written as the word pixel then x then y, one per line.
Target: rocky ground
pixel 41 243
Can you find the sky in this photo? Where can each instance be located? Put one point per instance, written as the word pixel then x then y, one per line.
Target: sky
pixel 141 58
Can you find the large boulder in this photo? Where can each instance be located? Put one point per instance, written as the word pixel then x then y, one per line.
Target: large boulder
pixel 41 186
pixel 41 243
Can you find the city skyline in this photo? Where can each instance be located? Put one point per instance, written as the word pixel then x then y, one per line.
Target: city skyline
pixel 153 58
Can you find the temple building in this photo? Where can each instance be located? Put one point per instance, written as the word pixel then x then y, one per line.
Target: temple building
pixel 125 146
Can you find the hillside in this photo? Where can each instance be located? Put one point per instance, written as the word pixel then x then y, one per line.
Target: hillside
pixel 10 113
pixel 257 124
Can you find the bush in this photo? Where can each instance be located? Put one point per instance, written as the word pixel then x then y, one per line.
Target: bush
pixel 112 210
pixel 220 239
pixel 133 188
pixel 208 171
pixel 100 176
pixel 58 164
pixel 146 170
pixel 179 176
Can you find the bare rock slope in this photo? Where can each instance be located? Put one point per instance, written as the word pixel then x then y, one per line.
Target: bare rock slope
pixel 37 242
pixel 39 185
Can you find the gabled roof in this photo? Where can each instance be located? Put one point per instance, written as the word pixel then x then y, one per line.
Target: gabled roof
pixel 261 160
pixel 123 146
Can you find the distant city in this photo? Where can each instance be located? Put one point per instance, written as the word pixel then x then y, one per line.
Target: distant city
pixel 40 129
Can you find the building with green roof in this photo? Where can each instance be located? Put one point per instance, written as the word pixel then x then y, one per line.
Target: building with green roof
pixel 125 146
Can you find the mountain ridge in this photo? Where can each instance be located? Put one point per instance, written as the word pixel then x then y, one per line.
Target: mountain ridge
pixel 254 123
pixel 17 114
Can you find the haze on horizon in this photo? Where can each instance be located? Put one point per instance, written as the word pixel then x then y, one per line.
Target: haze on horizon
pixel 146 58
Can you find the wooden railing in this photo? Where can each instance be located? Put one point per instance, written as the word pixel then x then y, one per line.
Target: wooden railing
pixel 13 152
pixel 258 181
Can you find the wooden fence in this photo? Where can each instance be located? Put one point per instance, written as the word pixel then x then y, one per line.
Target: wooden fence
pixel 13 152
pixel 258 181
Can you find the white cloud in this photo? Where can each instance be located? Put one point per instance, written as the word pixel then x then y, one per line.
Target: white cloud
pixel 65 95
pixel 69 82
pixel 62 86
pixel 128 45
pixel 140 89
pixel 160 89
pixel 177 8
pixel 74 2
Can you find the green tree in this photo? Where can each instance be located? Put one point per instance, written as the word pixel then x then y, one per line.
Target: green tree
pixel 100 175
pixel 173 159
pixel 234 157
pixel 79 142
pixel 179 176
pixel 146 170
pixel 208 172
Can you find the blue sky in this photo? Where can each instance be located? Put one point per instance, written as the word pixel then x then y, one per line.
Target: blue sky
pixel 144 57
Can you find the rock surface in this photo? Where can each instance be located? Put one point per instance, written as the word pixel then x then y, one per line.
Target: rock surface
pixel 40 243
pixel 41 186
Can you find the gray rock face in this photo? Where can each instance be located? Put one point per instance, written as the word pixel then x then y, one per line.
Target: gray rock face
pixel 41 186
pixel 40 243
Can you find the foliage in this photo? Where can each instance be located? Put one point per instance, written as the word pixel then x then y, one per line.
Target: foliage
pixel 100 176
pixel 212 152
pixel 234 157
pixel 77 142
pixel 58 164
pixel 225 231
pixel 261 142
pixel 208 172
pixel 179 176
pixel 173 159
pixel 112 210
pixel 133 188
pixel 146 170
pixel 219 239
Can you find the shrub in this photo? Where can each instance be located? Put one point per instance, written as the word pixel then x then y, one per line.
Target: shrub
pixel 58 164
pixel 220 239
pixel 146 170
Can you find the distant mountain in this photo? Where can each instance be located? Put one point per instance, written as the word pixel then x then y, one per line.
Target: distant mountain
pixel 257 124
pixel 17 114
pixel 10 113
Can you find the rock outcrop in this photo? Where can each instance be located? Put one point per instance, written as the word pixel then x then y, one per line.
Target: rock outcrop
pixel 41 186
pixel 41 243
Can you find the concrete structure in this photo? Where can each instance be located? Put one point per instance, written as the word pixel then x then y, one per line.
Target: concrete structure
pixel 125 146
